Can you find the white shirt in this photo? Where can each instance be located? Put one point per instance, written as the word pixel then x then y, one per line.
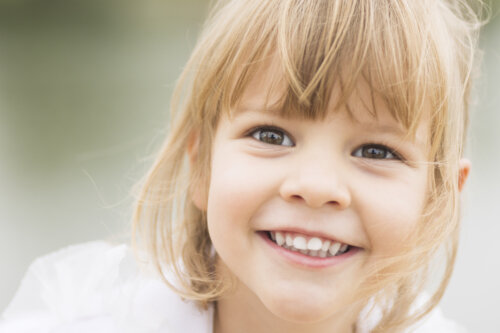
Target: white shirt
pixel 100 288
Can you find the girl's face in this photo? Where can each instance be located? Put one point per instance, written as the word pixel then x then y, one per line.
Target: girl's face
pixel 286 194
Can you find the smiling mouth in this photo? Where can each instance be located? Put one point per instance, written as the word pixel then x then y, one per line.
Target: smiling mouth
pixel 310 246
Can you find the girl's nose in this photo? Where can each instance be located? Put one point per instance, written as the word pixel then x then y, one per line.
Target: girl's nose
pixel 316 185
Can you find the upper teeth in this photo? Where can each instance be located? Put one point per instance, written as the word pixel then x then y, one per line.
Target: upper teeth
pixel 313 246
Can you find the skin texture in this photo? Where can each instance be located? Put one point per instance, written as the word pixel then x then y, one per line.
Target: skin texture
pixel 319 179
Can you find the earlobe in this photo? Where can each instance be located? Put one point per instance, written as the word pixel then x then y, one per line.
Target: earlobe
pixel 198 197
pixel 464 169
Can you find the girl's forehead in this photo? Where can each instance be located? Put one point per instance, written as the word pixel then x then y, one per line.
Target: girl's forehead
pixel 268 87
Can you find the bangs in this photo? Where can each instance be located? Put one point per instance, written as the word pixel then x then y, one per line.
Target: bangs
pixel 322 44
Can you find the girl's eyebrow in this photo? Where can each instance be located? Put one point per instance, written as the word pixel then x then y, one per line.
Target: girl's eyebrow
pixel 391 129
pixel 275 111
pixel 394 130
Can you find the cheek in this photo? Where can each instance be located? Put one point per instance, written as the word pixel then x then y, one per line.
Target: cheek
pixel 230 187
pixel 239 184
pixel 393 215
pixel 226 209
pixel 239 187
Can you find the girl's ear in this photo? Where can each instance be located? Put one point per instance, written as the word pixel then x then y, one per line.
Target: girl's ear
pixel 464 169
pixel 193 146
pixel 196 189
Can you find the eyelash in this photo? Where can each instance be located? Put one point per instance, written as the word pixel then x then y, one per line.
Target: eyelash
pixel 256 132
pixel 393 155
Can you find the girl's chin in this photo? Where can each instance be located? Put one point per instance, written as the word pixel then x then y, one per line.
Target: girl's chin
pixel 301 310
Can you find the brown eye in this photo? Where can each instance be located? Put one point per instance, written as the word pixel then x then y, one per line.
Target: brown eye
pixel 375 152
pixel 272 136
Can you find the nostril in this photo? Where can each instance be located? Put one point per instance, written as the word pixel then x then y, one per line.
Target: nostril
pixel 296 197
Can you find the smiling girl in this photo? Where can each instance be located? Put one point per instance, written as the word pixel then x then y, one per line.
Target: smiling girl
pixel 310 181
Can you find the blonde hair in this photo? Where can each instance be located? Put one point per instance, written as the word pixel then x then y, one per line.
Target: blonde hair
pixel 418 56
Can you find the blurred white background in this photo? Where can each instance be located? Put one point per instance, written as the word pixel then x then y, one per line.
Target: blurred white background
pixel 84 92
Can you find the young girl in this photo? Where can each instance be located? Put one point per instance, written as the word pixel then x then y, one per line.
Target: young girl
pixel 310 181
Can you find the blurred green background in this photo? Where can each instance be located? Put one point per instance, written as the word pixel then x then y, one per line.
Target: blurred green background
pixel 84 93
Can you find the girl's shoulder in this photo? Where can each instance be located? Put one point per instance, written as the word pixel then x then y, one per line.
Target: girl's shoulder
pixel 98 287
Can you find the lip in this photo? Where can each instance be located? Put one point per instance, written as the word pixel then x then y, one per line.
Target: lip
pixel 302 260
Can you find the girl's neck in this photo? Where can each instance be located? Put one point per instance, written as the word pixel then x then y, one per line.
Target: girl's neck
pixel 243 312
